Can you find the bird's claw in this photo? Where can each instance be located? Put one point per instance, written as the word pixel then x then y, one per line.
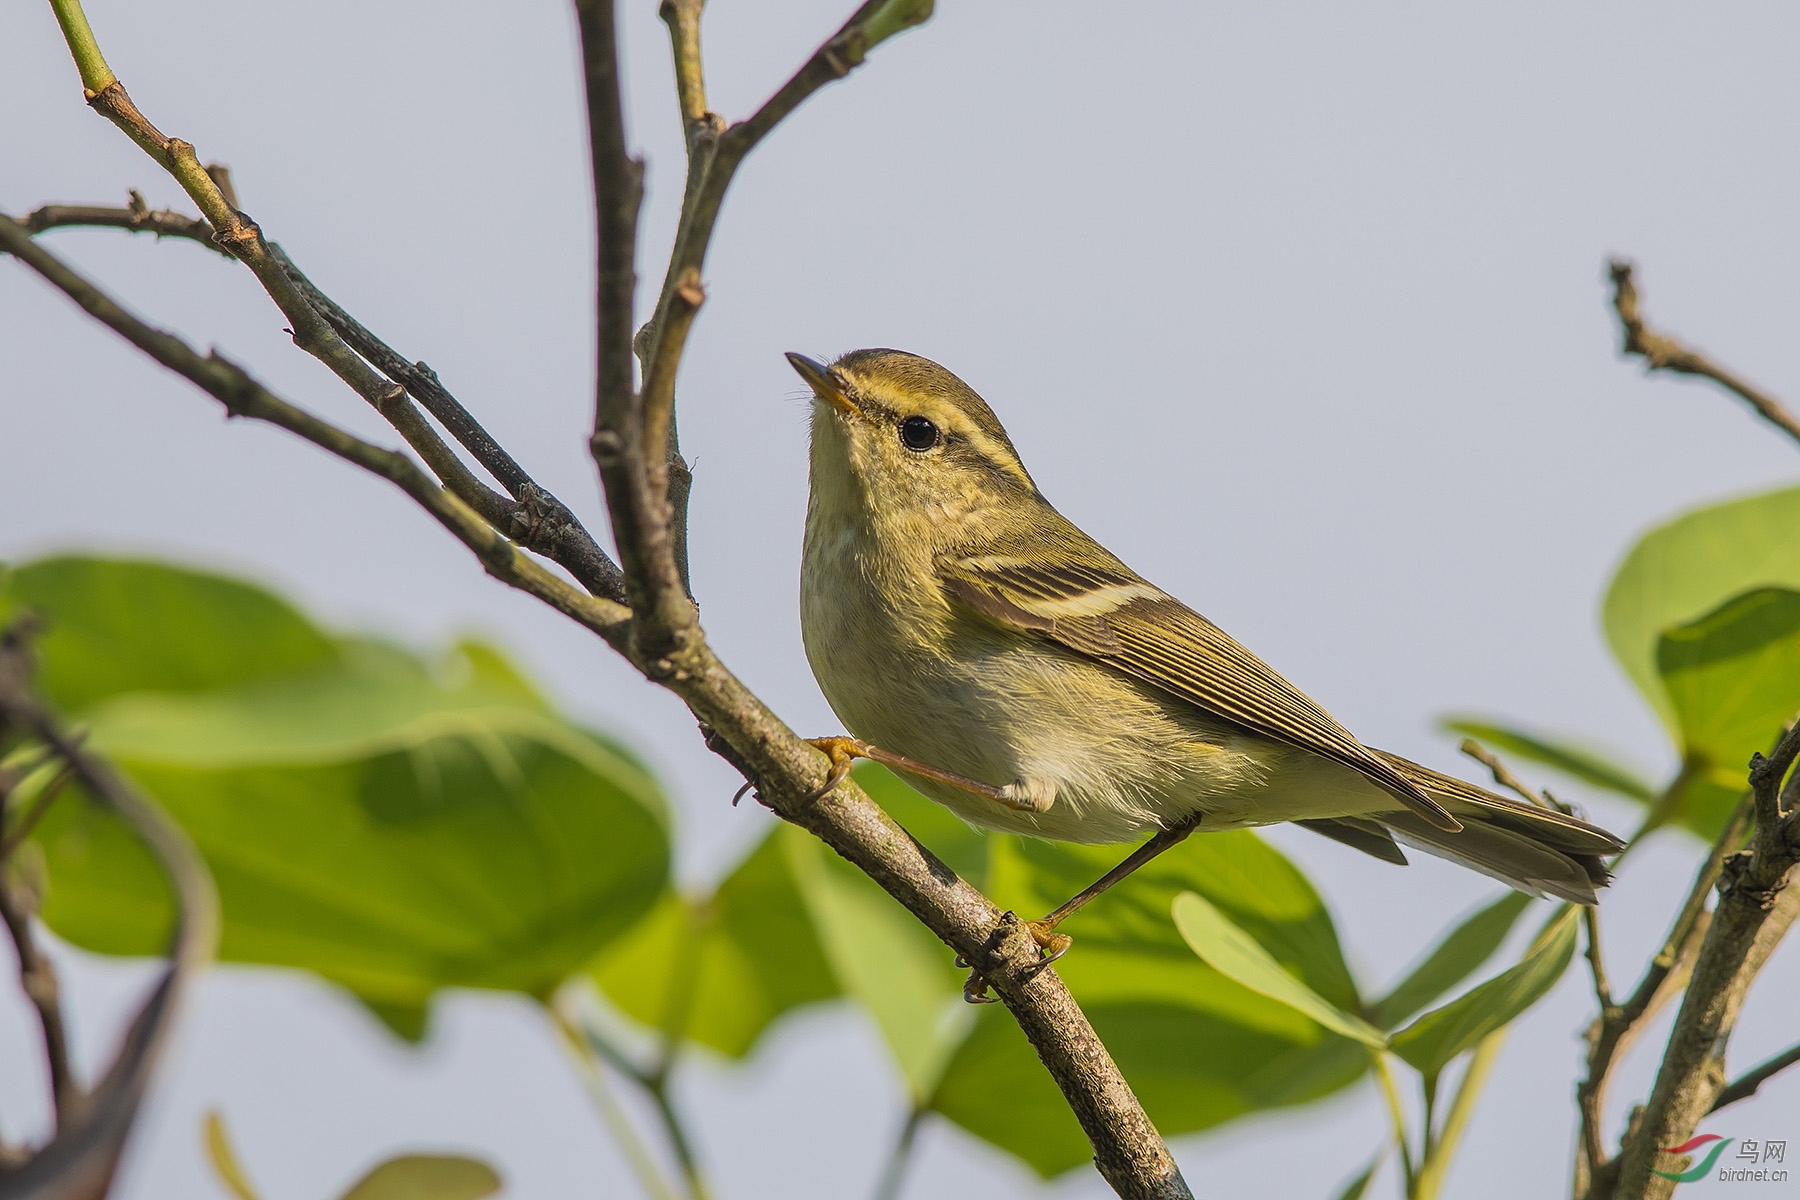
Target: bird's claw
pixel 843 753
pixel 1051 946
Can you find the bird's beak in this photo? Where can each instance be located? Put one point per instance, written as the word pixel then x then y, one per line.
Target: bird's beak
pixel 823 381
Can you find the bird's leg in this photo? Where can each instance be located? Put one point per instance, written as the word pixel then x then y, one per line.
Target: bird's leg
pixel 842 751
pixel 1054 945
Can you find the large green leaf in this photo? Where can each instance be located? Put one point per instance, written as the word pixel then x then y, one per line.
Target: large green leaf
pixel 395 826
pixel 1559 754
pixel 720 969
pixel 1240 957
pixel 118 626
pixel 1198 1048
pixel 1733 678
pixel 894 967
pixel 498 862
pixel 1689 567
pixel 1463 950
pixel 1430 1042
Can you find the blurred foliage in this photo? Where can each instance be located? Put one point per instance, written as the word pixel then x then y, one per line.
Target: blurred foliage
pixel 1703 615
pixel 394 824
pixel 401 823
pixel 404 1177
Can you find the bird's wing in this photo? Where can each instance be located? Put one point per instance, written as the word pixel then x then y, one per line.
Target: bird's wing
pixel 1100 608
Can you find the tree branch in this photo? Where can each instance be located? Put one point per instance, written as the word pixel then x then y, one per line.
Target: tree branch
pixel 1663 352
pixel 1618 1025
pixel 714 155
pixel 79 1163
pixel 235 233
pixel 37 979
pixel 534 518
pixel 243 396
pixel 663 637
pixel 538 520
pixel 1754 911
pixel 1745 1087
pixel 136 216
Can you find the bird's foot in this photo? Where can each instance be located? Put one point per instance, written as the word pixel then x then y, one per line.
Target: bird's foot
pixel 843 752
pixel 1051 946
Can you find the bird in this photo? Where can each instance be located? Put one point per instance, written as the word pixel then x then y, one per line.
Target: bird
pixel 1011 668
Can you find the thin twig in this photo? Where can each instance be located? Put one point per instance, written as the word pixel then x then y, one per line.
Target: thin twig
pixel 136 216
pixel 534 518
pixel 243 396
pixel 1616 1027
pixel 1662 352
pixel 1744 1087
pixel 538 520
pixel 714 154
pixel 80 1161
pixel 37 978
pixel 234 232
pixel 19 828
pixel 1502 776
pixel 1590 916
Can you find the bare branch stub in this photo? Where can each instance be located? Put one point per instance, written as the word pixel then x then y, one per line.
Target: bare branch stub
pixel 1663 352
pixel 136 216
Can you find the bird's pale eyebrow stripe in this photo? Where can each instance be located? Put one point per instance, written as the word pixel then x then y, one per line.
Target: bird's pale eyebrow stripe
pixel 998 454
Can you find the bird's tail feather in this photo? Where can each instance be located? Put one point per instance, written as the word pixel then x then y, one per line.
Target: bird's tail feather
pixel 1533 849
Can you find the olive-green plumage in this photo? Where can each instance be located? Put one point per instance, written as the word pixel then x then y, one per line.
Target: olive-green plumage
pixel 952 615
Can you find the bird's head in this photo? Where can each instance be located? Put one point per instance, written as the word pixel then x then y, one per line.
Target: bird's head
pixel 906 442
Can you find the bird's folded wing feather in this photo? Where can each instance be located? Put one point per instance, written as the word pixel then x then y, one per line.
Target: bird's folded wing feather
pixel 1105 611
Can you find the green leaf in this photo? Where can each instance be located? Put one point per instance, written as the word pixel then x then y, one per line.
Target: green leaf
pixel 1463 950
pixel 1690 566
pixel 1198 1048
pixel 1237 955
pixel 1578 762
pixel 394 826
pixel 1356 1187
pixel 427 1177
pixel 224 1158
pixel 1430 1042
pixel 894 967
pixel 1733 678
pixel 723 968
pixel 118 626
pixel 497 862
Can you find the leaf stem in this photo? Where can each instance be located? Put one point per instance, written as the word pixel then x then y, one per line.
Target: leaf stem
pixel 894 1174
pixel 1397 1115
pixel 579 1043
pixel 1437 1159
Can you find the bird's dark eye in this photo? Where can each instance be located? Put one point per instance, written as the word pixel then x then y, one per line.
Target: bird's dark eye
pixel 917 433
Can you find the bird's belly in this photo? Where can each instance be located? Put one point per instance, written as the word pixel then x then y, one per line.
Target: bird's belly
pixel 1114 758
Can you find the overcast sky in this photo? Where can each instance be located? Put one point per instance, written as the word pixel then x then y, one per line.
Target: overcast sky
pixel 1297 307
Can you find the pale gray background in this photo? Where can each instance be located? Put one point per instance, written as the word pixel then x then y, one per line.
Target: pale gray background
pixel 1297 307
